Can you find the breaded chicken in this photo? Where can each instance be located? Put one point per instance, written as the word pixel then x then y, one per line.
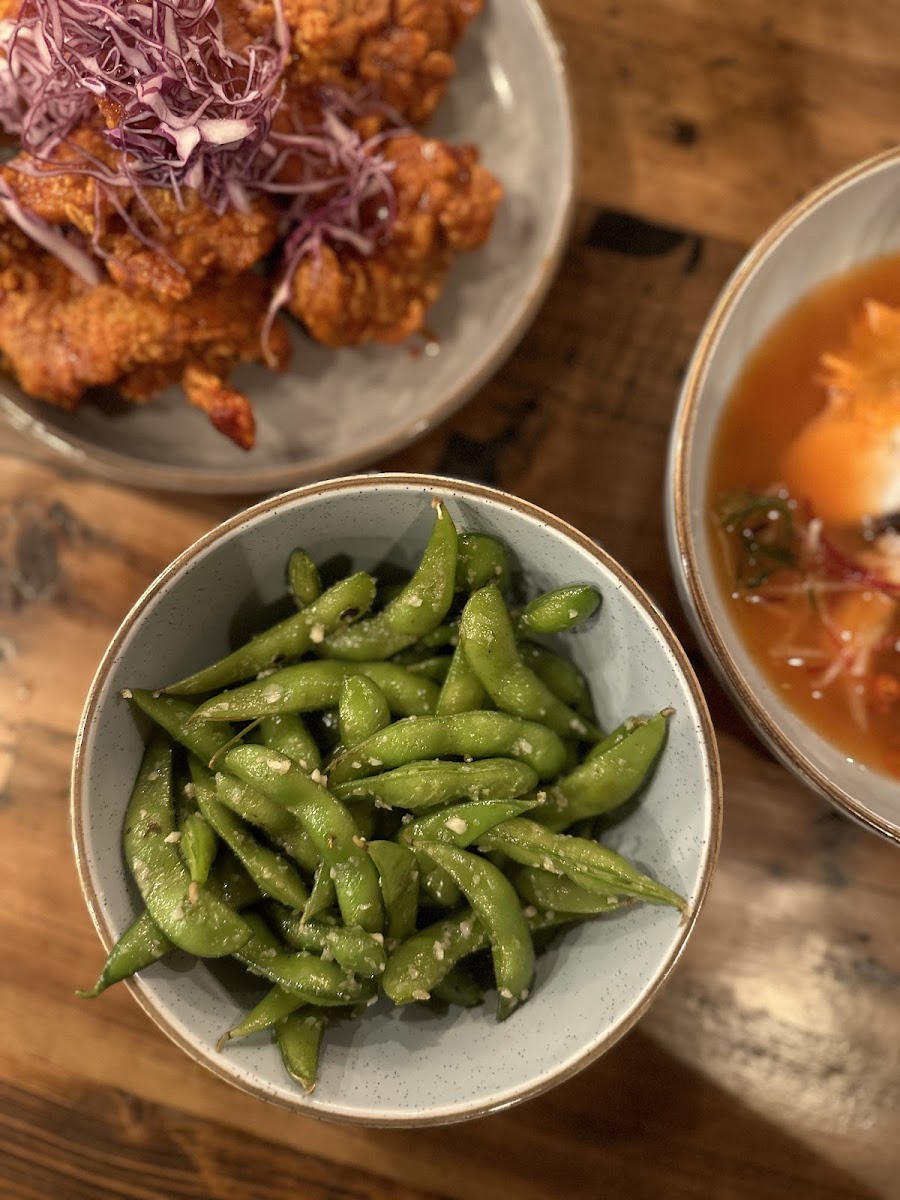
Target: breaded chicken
pixel 446 203
pixel 400 49
pixel 191 240
pixel 61 337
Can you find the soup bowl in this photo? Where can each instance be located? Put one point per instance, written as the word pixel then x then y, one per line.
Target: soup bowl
pixel 852 219
pixel 409 1066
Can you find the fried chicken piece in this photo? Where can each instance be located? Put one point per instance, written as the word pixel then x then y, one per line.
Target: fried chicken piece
pixel 61 337
pixel 445 203
pixel 192 242
pixel 401 48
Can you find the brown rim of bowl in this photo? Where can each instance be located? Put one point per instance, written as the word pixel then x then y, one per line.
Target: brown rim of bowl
pixel 119 469
pixel 682 440
pixel 425 483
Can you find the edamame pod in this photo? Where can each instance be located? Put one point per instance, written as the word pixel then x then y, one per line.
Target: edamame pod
pixel 556 893
pixel 398 873
pixel 353 949
pixel 495 903
pixel 588 864
pixel 424 785
pixel 198 846
pixel 475 735
pixel 317 981
pixel 362 710
pixel 274 1006
pixel 481 559
pixel 287 734
pixel 561 609
pixel 605 780
pixel 189 916
pixel 487 637
pixel 299 1039
pixel 461 691
pixel 331 827
pixel 290 638
pixel 272 873
pixel 311 686
pixel 141 945
pixel 173 714
pixel 258 809
pixel 420 607
pixel 303 578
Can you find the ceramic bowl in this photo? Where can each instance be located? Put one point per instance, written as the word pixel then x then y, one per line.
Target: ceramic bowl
pixel 338 410
pixel 397 1066
pixel 853 218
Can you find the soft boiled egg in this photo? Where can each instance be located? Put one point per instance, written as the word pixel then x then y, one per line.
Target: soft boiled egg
pixel 845 462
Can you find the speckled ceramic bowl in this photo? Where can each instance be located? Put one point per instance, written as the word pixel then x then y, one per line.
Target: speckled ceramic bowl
pixel 849 220
pixel 405 1066
pixel 335 411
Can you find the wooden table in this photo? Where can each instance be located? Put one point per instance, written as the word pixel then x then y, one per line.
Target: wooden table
pixel 770 1066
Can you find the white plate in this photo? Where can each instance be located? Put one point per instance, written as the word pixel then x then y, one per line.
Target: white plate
pixel 336 410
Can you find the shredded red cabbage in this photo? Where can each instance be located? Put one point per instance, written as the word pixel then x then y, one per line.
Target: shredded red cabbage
pixel 185 111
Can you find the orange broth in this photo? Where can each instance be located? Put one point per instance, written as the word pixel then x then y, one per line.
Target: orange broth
pixel 775 395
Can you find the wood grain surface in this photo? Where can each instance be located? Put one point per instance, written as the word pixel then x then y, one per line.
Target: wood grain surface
pixel 770 1066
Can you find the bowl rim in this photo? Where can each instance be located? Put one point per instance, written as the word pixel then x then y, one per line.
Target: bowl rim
pixel 681 537
pixel 119 468
pixel 638 597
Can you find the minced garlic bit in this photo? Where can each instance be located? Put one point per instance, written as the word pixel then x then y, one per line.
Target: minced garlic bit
pixel 420 995
pixel 414 601
pixel 439 951
pixel 529 911
pixel 127 694
pixel 317 777
pixel 172 838
pixel 280 766
pixel 190 790
pixel 378 937
pixel 193 892
pixel 317 634
pixel 506 994
pixel 456 825
pixel 359 841
pixel 356 766
pixel 273 693
pixel 178 913
pixel 573 613
pixel 375 762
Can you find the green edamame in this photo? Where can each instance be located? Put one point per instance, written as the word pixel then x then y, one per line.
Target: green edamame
pixel 328 823
pixel 258 809
pixel 398 873
pixel 424 785
pixel 141 945
pixel 605 780
pixel 274 1007
pixel 270 871
pixel 317 981
pixel 475 735
pixel 173 714
pixel 461 691
pixel 420 607
pixel 559 610
pixel 363 710
pixel 556 893
pixel 299 1039
pixel 304 580
pixel 312 686
pixel 288 734
pixel 486 635
pixel 593 866
pixel 189 916
pixel 198 846
pixel 494 902
pixel 481 559
pixel 353 949
pixel 562 677
pixel 290 638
